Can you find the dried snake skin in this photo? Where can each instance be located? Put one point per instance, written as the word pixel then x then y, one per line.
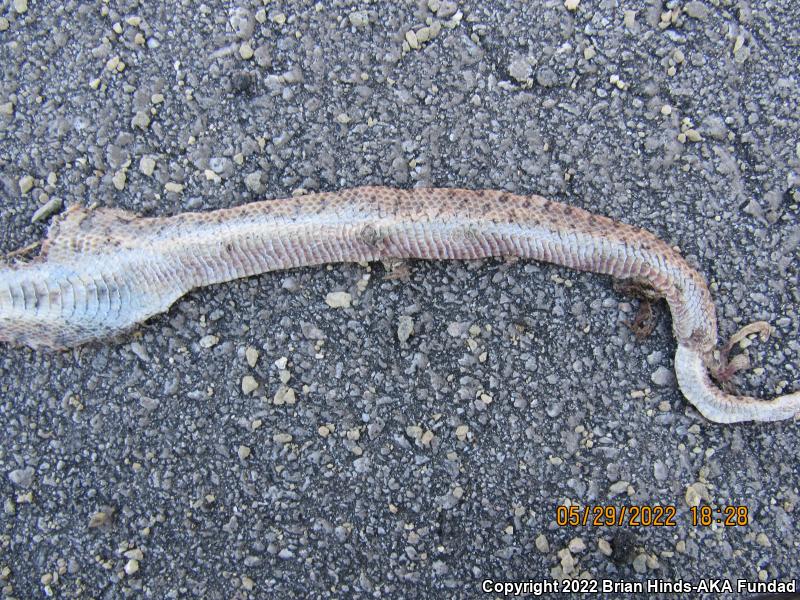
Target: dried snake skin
pixel 100 272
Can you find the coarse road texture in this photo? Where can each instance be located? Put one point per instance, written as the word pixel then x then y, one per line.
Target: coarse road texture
pixel 390 430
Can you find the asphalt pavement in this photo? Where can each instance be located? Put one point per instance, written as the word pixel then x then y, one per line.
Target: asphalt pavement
pixel 418 441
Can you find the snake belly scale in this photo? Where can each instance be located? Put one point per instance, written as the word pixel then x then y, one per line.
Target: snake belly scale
pixel 100 272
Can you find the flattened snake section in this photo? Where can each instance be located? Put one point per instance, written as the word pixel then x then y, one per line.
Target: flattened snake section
pixel 101 272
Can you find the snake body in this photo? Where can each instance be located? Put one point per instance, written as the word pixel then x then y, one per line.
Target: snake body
pixel 100 272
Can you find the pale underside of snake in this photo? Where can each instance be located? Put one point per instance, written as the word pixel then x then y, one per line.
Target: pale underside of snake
pixel 100 272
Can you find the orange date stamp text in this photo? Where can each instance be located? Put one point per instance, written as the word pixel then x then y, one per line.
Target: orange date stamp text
pixel 645 515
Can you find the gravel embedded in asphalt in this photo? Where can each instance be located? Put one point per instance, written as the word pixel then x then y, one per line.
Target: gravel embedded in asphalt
pixel 399 431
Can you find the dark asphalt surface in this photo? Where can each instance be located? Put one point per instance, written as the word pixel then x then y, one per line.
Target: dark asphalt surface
pixel 397 465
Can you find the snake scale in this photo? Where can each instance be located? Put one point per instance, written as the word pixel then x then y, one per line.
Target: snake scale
pixel 100 272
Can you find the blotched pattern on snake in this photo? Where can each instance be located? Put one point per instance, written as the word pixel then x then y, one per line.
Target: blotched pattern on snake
pixel 100 272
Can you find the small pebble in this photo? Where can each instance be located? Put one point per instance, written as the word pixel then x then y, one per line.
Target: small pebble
pixel 696 9
pixel 249 384
pixel 241 21
pixel 251 355
pixel 576 545
pixel 284 395
pixel 140 351
pixel 405 328
pixel 662 377
pixel 546 77
pixel 693 135
pixel 25 184
pixel 252 182
pixel 567 561
pixel 358 18
pixel 141 120
pixel 630 20
pixel 147 165
pixel 263 56
pixel 338 299
pixel 53 205
pixel 134 553
pixel 423 34
pixel 640 563
pixel 695 494
pixel 22 477
pixel 132 566
pixel 208 341
pixel 246 51
pixel 119 179
pixel 98 519
pixel 619 487
pixel 520 69
pixel 414 432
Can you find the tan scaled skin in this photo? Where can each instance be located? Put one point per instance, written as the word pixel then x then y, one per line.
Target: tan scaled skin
pixel 101 272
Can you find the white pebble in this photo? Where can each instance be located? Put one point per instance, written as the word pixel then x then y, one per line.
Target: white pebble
pixel 338 299
pixel 131 566
pixel 249 384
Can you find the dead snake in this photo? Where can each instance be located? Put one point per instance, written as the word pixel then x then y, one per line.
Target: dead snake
pixel 100 272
